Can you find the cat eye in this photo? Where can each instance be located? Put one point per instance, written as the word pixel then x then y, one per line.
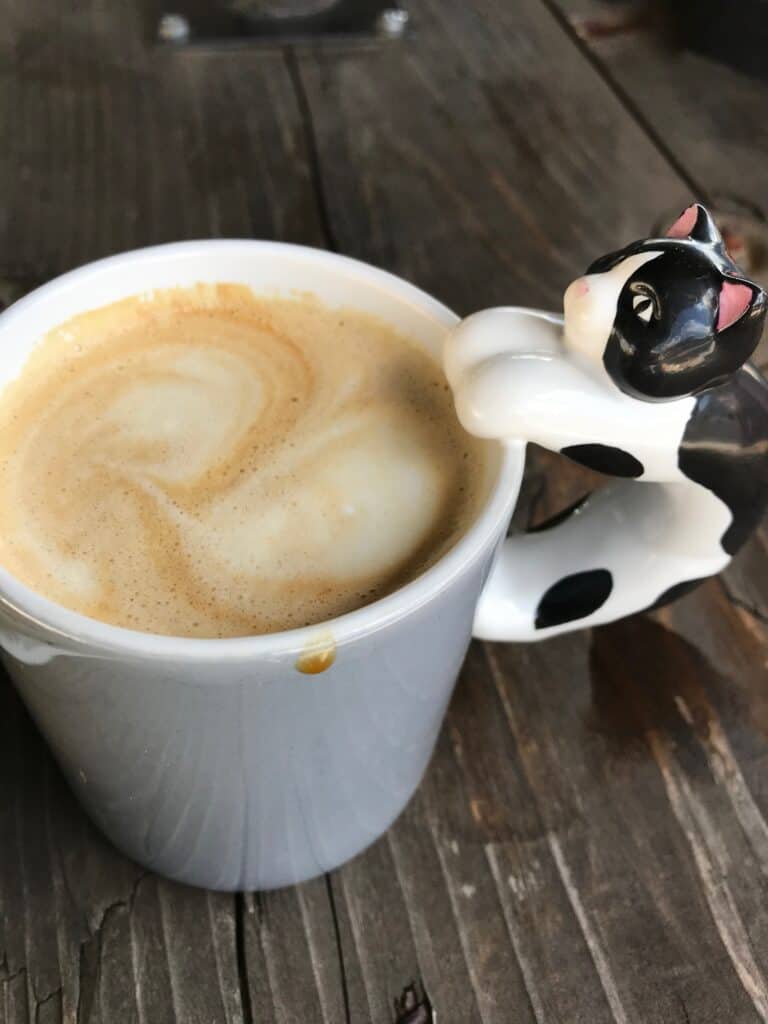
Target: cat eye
pixel 643 307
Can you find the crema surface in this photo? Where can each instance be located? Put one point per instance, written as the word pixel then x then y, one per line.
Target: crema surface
pixel 208 463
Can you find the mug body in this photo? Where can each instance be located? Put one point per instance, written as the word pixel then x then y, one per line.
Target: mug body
pixel 224 763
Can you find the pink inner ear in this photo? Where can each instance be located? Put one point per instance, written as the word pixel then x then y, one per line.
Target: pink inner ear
pixel 735 300
pixel 684 224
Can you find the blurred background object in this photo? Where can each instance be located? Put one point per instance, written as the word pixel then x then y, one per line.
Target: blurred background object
pixel 732 31
pixel 281 8
pixel 230 22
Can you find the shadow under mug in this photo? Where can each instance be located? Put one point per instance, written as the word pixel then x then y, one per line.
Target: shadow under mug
pixel 219 762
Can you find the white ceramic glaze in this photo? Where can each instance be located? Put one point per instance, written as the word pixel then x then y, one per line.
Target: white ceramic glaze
pixel 521 375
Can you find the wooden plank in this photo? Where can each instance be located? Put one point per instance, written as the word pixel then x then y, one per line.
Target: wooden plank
pixel 746 582
pixel 372 903
pixel 116 144
pixel 707 117
pixel 606 770
pixel 729 710
pixel 710 117
pixel 489 830
pixel 474 175
pixel 408 929
pixel 291 951
pixel 41 929
pixel 720 696
pixel 445 958
pixel 554 959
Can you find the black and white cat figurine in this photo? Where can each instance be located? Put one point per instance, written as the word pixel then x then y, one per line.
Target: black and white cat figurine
pixel 645 378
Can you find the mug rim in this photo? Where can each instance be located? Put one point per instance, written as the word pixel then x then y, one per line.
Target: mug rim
pixel 62 625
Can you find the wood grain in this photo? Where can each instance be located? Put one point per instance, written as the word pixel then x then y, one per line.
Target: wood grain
pixel 590 842
pixel 113 144
pixel 634 885
pixel 291 950
pixel 473 176
pixel 708 116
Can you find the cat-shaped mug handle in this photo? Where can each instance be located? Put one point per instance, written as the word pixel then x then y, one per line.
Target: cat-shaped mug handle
pixel 645 378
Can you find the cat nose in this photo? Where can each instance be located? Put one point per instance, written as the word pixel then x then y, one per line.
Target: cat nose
pixel 582 287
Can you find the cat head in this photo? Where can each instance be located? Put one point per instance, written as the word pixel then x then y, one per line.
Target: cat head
pixel 667 317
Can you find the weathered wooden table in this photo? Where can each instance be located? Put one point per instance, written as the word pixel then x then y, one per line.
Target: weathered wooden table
pixel 590 843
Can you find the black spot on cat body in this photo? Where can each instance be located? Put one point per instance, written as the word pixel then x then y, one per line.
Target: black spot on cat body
pixel 605 459
pixel 725 449
pixel 574 597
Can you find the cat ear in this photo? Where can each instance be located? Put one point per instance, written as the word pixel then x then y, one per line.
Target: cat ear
pixel 695 223
pixel 735 299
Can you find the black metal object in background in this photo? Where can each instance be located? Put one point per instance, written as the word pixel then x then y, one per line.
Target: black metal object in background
pixel 248 22
pixel 733 32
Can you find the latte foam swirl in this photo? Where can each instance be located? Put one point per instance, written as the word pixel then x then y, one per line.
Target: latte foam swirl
pixel 203 462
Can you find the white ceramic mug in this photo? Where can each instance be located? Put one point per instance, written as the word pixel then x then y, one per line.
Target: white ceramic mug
pixel 217 762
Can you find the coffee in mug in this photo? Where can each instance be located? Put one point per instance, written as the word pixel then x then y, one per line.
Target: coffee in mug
pixel 207 462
